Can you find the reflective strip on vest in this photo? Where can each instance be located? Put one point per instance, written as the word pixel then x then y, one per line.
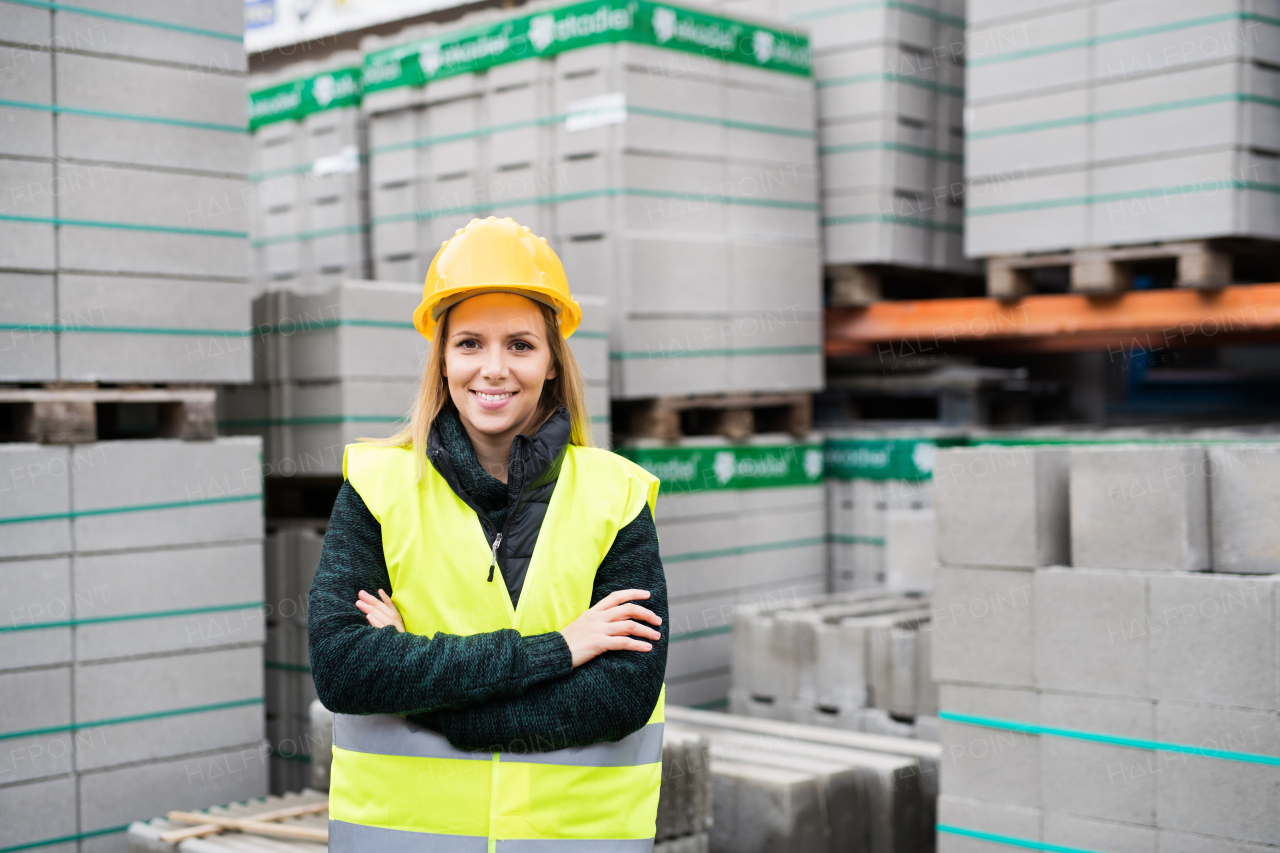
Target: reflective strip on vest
pixel 385 734
pixel 353 836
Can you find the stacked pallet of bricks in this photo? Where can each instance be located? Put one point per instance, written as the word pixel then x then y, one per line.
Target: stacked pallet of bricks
pixel 880 505
pixel 738 525
pixel 309 218
pixel 1105 646
pixel 858 661
pixel 890 80
pixel 633 138
pixel 292 555
pixel 1110 124
pixel 131 652
pixel 809 789
pixel 684 801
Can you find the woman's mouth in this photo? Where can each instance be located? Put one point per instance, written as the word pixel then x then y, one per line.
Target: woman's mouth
pixel 493 400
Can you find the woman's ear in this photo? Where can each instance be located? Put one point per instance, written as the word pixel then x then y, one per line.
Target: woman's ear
pixel 551 371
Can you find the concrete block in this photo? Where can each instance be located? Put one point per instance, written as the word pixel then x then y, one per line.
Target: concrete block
pixel 168 314
pixel 167 492
pixel 1244 488
pixel 28 78
pixel 1099 780
pixel 204 39
pixel 984 816
pixel 1213 642
pixel 215 594
pixel 1140 508
pixel 100 84
pixel 1181 842
pixel 27 354
pixel 1001 506
pixel 1212 796
pixel 983 626
pixel 35 499
pixel 1108 836
pixel 26 236
pixel 910 551
pixel 761 808
pixel 35 700
pixel 1091 632
pixel 117 796
pixel 39 812
pixel 38 592
pixel 1002 60
pixel 990 764
pixel 1022 212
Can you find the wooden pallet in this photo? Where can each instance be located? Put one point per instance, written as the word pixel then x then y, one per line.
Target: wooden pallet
pixel 735 416
pixel 69 414
pixel 1200 264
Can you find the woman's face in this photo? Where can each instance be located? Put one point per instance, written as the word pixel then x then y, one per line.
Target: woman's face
pixel 496 360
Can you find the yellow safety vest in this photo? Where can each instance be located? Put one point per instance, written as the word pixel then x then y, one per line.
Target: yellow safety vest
pixel 399 788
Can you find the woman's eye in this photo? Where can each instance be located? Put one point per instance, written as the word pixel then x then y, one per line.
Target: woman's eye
pixel 469 344
pixel 521 346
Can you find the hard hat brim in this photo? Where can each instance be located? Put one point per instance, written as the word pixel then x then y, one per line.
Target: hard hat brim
pixel 426 315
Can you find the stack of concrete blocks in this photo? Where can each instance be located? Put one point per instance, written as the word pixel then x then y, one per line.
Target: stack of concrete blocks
pixel 1099 124
pixel 330 368
pixel 880 505
pixel 858 661
pixel 131 648
pixel 1106 647
pixel 123 246
pixel 739 526
pixel 145 836
pixel 890 80
pixel 309 217
pixel 292 555
pixel 680 188
pixel 807 789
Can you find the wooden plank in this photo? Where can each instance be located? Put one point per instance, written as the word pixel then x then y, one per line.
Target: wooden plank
pixel 1149 319
pixel 207 828
pixel 253 827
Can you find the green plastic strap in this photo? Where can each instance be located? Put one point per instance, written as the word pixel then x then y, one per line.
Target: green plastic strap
pixel 902 148
pixel 1128 112
pixel 290 756
pixel 297 99
pixel 739 550
pixel 84 513
pixel 1131 195
pixel 63 328
pixel 892 77
pixel 287 667
pixel 848 539
pixel 317 420
pixel 695 469
pixel 910 221
pixel 607 192
pixel 81 111
pixel 1123 35
pixel 553 31
pixel 1010 840
pixel 127 19
pixel 909 8
pixel 135 718
pixel 129 617
pixel 283 171
pixel 1111 740
pixel 124 226
pixel 700 633
pixel 630 355
pixel 63 839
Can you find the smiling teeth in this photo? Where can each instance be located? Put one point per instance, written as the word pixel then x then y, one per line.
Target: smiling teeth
pixel 493 398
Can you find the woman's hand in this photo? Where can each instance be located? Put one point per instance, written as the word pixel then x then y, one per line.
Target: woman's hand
pixel 609 626
pixel 380 613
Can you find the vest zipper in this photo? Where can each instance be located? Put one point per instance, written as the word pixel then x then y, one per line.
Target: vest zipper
pixel 496 542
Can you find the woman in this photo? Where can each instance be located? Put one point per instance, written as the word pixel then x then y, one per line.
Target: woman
pixel 503 688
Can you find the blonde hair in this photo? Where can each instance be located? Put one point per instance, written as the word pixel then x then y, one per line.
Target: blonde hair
pixel 567 389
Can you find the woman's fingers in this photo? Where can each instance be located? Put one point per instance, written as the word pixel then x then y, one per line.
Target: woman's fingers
pixel 624 628
pixel 633 611
pixel 613 599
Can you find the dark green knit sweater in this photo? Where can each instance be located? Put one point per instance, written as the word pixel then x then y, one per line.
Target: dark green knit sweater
pixel 495 690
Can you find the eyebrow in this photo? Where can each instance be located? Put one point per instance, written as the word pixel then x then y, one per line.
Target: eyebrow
pixel 471 334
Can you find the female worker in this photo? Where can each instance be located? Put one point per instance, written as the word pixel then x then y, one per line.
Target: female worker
pixel 473 622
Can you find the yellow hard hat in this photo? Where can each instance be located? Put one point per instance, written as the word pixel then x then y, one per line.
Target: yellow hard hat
pixel 495 255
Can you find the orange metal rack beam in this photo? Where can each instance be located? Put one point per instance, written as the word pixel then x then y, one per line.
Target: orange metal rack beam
pixel 1140 320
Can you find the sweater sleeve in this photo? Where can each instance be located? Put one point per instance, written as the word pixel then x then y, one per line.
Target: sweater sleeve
pixel 359 669
pixel 605 699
